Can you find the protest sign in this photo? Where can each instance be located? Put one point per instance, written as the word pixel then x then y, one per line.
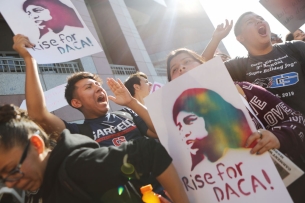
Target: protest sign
pixel 155 86
pixel 54 98
pixel 54 26
pixel 290 13
pixel 203 124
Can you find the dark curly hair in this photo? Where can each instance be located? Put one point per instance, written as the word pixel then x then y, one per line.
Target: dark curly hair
pixel 15 127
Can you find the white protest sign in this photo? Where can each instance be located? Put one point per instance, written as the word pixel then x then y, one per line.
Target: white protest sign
pixel 155 86
pixel 54 98
pixel 291 13
pixel 203 124
pixel 54 26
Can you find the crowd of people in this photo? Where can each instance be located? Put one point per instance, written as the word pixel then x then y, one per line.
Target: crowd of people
pixel 56 161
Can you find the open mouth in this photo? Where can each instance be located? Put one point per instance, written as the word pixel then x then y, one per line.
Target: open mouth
pixel 262 30
pixel 101 99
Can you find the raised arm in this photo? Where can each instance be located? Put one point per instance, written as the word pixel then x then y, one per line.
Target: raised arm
pixel 123 98
pixel 35 101
pixel 220 32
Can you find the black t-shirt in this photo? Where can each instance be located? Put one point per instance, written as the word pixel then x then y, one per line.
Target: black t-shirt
pixel 280 72
pixel 113 129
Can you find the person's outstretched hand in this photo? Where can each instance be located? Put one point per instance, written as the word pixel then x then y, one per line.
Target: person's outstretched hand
pixel 222 30
pixel 22 42
pixel 266 140
pixel 121 94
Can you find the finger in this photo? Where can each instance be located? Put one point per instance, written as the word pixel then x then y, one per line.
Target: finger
pixel 253 137
pixel 167 195
pixel 163 200
pixel 260 144
pixel 265 148
pixel 227 22
pixel 112 98
pixel 111 85
pixel 231 24
pixel 121 83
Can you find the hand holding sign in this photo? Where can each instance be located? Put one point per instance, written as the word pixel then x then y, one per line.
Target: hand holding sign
pixel 22 42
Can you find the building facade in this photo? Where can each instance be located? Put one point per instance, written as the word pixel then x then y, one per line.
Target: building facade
pixel 136 35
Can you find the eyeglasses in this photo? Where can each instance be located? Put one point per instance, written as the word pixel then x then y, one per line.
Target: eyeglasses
pixel 16 174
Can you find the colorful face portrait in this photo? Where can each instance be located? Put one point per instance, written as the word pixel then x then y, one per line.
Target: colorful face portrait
pixel 51 15
pixel 208 124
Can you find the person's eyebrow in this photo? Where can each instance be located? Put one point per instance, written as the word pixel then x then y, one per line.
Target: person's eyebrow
pixel 180 60
pixel 87 84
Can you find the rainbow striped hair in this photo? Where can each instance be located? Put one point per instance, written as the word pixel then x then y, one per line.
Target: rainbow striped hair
pixel 226 125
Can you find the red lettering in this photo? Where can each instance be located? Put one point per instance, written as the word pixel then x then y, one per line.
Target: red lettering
pixel 239 187
pixel 198 179
pixel 219 173
pixel 254 186
pixel 231 169
pixel 215 191
pixel 228 187
pixel 209 177
pixel 186 181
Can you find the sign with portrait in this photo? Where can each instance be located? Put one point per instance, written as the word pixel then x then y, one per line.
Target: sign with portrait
pixel 203 123
pixel 54 26
pixel 290 13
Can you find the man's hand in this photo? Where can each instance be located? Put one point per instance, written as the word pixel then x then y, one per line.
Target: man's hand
pixel 266 140
pixel 222 31
pixel 121 94
pixel 21 42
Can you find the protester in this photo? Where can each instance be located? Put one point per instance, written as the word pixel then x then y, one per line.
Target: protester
pixel 75 169
pixel 297 35
pixel 85 93
pixel 138 86
pixel 278 67
pixel 283 129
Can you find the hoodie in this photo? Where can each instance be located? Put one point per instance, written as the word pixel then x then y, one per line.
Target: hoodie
pixel 79 171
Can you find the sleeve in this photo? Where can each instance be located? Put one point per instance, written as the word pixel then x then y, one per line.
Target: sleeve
pixel 237 68
pixel 99 170
pixel 300 45
pixel 72 127
pixel 141 125
pixel 290 126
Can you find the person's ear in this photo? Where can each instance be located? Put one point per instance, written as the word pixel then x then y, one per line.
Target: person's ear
pixel 37 143
pixel 76 103
pixel 136 86
pixel 240 38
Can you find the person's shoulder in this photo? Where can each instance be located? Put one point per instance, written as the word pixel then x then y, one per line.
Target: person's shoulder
pixel 296 43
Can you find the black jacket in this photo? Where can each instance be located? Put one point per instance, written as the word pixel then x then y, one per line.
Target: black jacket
pixel 79 171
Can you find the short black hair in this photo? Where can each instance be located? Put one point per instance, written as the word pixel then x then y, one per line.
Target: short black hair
pixel 289 37
pixel 134 79
pixel 237 27
pixel 73 79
